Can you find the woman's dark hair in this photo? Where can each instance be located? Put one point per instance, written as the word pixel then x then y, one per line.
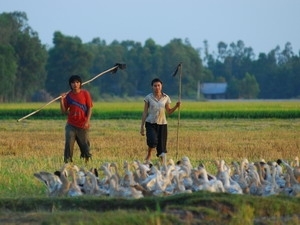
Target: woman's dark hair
pixel 156 80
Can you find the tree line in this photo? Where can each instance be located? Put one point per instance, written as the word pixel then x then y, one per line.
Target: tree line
pixel 31 71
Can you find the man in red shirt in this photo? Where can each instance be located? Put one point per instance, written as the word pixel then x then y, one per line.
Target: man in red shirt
pixel 77 105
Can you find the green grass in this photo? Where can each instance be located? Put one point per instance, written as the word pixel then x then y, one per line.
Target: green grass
pixel 197 208
pixel 188 110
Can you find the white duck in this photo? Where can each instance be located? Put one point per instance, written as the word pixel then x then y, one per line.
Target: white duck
pixel 296 169
pixel 270 186
pixel 51 181
pixel 294 184
pixel 94 188
pixel 184 175
pixel 127 180
pixel 230 185
pixel 255 185
pixel 104 182
pixel 240 175
pixel 115 190
pixel 202 183
pixel 74 188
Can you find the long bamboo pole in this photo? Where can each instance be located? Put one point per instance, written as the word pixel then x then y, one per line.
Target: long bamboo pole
pixel 113 70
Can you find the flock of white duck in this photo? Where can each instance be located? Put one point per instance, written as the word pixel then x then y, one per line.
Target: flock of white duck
pixel 140 179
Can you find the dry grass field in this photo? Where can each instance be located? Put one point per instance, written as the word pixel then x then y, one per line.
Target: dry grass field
pixel 34 145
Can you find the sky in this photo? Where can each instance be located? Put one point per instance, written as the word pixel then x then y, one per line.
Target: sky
pixel 260 24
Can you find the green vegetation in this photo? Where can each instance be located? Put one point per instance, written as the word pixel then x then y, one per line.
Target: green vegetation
pixel 189 110
pixel 197 208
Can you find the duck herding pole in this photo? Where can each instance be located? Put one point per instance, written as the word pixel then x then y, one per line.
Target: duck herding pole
pixel 178 68
pixel 114 69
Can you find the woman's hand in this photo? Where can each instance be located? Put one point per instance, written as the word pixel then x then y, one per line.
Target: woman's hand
pixel 142 131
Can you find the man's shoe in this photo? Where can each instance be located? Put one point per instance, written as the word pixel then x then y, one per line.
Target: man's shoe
pixel 69 160
pixel 86 159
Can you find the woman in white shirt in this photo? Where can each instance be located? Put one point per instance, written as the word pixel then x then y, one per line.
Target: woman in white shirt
pixel 157 104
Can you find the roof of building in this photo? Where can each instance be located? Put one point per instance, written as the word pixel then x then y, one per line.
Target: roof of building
pixel 213 88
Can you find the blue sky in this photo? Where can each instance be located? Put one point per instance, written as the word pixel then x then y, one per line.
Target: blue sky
pixel 261 24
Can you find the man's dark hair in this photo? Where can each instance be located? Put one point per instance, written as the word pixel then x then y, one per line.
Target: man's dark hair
pixel 74 78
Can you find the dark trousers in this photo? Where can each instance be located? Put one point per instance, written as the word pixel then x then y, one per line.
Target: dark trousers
pixel 79 135
pixel 157 137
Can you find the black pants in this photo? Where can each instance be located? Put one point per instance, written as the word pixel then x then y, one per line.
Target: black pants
pixel 157 137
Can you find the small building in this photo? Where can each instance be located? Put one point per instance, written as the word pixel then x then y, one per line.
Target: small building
pixel 213 90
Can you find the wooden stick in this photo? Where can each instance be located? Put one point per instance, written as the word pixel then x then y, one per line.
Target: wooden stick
pixel 58 97
pixel 179 100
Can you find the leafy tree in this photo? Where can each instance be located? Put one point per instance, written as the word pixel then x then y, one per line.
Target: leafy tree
pixel 249 87
pixel 8 69
pixel 222 51
pixel 233 89
pixel 293 68
pixel 25 56
pixel 32 57
pixel 150 64
pixel 175 52
pixel 207 76
pixel 264 69
pixel 106 57
pixel 68 57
